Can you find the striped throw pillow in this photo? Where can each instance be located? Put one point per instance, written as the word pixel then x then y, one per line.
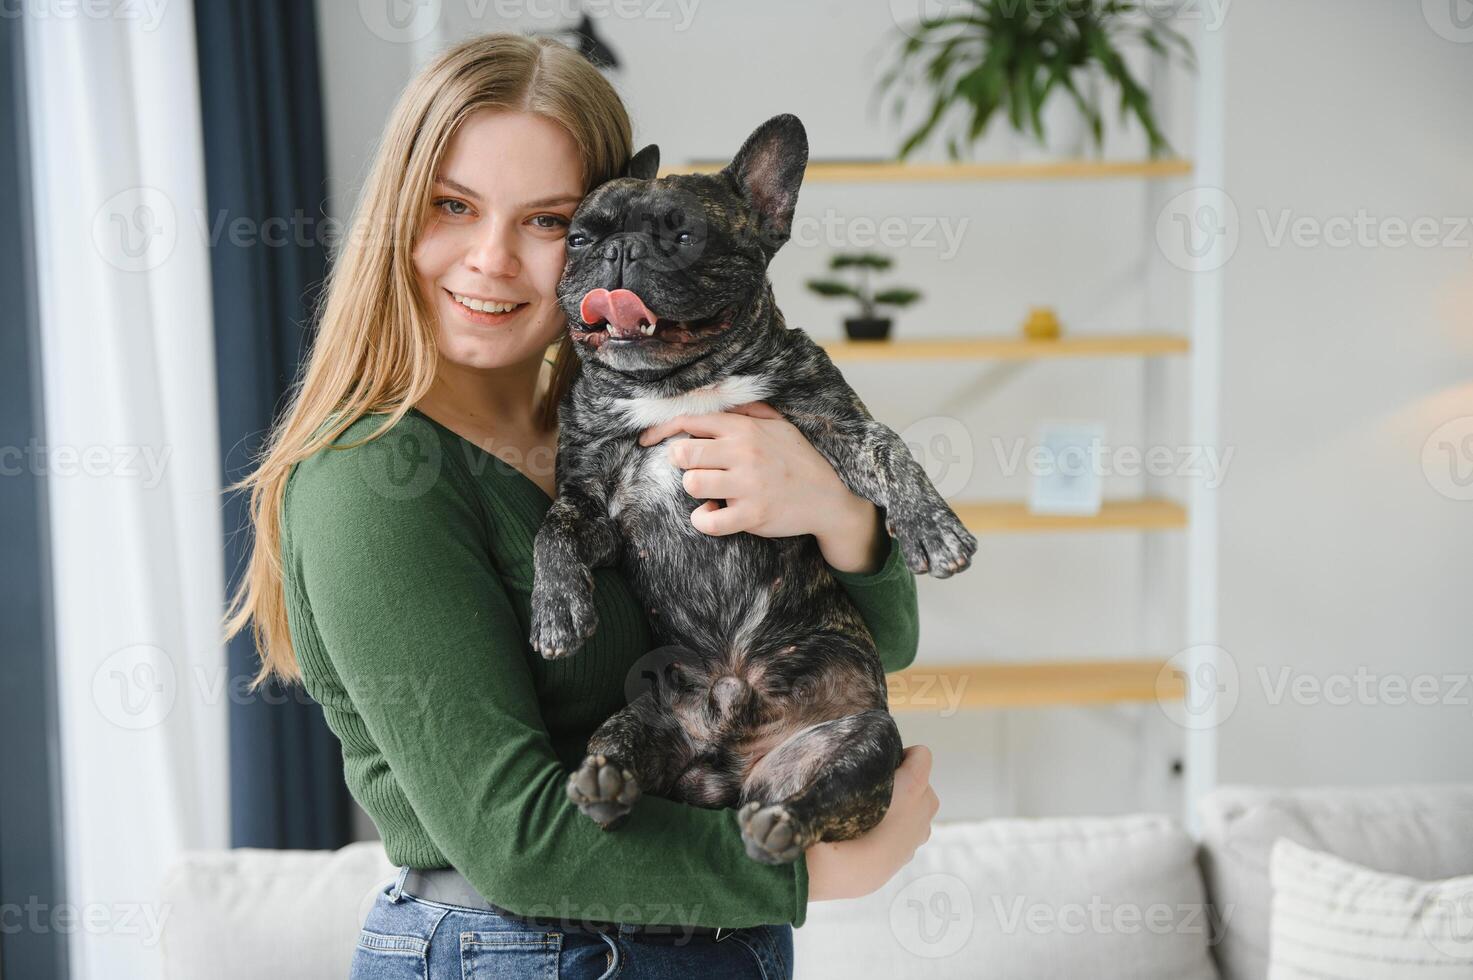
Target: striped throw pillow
pixel 1335 919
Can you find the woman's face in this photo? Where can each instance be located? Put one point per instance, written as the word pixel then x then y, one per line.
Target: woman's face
pixel 491 251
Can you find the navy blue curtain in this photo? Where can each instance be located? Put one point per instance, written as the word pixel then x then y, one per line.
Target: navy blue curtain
pixel 265 164
pixel 31 860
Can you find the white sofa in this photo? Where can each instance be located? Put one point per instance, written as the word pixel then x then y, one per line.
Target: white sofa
pixel 1119 897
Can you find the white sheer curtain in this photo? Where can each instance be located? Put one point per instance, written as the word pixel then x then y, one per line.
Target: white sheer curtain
pixel 128 375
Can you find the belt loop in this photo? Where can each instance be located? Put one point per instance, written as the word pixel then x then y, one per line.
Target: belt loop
pixel 396 894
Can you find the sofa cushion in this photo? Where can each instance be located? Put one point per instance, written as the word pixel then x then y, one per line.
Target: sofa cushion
pixel 1028 900
pixel 1421 831
pixel 251 913
pixel 1334 918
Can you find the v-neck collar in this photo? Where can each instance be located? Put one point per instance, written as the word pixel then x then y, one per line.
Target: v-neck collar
pixel 497 463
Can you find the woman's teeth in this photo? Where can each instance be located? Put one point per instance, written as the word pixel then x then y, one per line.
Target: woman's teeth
pixel 484 306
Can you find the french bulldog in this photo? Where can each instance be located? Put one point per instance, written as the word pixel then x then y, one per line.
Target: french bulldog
pixel 772 698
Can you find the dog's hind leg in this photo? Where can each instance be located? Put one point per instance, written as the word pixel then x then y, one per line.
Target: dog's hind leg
pixel 831 781
pixel 639 749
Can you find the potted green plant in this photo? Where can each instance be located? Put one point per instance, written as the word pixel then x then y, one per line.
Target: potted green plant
pixel 868 325
pixel 1021 56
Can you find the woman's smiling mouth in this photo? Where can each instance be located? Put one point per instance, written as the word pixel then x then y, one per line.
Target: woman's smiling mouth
pixel 487 311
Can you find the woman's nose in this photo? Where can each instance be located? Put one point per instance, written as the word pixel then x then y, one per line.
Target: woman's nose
pixel 494 253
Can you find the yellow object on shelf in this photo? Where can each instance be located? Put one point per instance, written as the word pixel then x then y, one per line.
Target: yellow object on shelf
pixel 1042 324
pixel 1010 517
pixel 944 688
pixel 1012 348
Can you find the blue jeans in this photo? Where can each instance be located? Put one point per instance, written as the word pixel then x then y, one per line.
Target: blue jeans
pixel 408 938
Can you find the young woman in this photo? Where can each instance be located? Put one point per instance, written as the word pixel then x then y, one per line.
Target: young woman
pixel 394 513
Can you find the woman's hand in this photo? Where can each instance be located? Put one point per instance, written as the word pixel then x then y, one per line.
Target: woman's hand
pixel 775 484
pixel 855 868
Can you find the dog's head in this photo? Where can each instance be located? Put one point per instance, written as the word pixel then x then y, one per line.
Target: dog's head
pixel 662 272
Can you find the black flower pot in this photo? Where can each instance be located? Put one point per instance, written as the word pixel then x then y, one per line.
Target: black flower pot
pixel 867 328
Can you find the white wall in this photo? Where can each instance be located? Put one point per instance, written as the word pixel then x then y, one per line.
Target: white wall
pixel 1337 552
pixel 698 77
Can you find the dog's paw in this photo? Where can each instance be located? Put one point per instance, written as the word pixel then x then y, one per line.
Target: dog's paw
pixel 604 792
pixel 561 621
pixel 937 543
pixel 770 833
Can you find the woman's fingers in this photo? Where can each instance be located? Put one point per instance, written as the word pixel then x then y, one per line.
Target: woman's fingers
pixel 916 763
pixel 711 518
pixel 711 454
pixel 706 426
pixel 708 484
pixel 758 410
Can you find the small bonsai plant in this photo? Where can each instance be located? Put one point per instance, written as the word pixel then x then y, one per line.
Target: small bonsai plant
pixel 868 325
pixel 1012 56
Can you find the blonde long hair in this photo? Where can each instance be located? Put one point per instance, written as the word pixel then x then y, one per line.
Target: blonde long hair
pixel 375 348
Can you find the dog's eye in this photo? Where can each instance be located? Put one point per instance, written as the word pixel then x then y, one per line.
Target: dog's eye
pixel 577 240
pixel 685 238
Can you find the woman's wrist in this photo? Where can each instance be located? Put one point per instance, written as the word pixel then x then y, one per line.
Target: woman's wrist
pixel 852 539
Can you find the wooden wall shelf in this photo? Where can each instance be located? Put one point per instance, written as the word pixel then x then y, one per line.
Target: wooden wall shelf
pixel 881 172
pixel 1007 348
pixel 1005 517
pixel 945 687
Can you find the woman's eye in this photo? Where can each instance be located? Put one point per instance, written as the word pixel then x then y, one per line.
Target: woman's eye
pixel 450 205
pixel 577 240
pixel 549 221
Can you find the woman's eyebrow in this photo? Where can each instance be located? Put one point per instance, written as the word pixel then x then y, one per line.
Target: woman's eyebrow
pixel 456 186
pixel 546 202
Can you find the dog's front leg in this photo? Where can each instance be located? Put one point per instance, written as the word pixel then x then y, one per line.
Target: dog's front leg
pixel 576 537
pixel 874 463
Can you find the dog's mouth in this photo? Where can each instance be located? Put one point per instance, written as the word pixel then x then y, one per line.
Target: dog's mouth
pixel 620 317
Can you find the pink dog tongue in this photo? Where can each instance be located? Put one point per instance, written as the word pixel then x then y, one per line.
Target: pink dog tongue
pixel 622 308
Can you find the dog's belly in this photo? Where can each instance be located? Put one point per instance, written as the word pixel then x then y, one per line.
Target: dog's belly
pixel 708 593
pixel 776 646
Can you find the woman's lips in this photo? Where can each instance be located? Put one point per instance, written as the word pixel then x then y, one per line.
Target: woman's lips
pixel 481 316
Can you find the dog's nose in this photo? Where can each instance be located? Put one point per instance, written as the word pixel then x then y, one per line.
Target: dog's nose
pixel 623 250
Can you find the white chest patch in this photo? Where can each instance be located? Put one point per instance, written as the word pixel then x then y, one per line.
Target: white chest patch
pixel 641 413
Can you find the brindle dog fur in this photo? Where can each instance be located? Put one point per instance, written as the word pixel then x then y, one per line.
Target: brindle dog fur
pixel 775 699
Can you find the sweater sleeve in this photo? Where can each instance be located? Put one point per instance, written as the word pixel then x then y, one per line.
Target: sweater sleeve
pixel 401 594
pixel 886 600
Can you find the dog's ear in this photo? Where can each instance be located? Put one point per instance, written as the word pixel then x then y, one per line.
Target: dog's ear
pixel 645 164
pixel 768 170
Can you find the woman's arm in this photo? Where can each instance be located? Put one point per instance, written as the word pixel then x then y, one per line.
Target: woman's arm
pixel 776 484
pixel 399 601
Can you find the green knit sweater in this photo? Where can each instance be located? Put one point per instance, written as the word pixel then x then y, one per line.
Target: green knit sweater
pixel 408 573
